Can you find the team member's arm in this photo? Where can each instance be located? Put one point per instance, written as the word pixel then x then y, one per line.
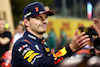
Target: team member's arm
pixel 6 39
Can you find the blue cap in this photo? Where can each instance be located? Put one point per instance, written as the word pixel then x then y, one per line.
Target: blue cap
pixel 35 9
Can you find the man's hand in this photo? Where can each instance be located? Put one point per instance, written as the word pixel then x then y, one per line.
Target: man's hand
pixel 79 41
pixel 97 26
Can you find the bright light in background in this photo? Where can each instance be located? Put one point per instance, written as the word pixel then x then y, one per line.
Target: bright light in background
pixel 89 10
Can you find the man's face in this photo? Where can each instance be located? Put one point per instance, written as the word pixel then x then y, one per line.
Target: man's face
pixel 39 24
pixel 2 25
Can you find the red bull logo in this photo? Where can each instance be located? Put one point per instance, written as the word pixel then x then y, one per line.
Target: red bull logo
pixel 60 53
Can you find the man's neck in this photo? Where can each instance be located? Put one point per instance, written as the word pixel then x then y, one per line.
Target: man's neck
pixel 37 35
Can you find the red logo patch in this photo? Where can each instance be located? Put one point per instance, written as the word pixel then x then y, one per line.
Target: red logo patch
pixel 37 9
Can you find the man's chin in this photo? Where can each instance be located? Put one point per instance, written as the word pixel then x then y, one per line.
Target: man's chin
pixel 41 32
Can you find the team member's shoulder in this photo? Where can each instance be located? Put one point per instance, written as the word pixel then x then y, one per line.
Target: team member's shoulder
pixel 21 43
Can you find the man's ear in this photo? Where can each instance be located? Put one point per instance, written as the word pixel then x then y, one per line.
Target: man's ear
pixel 26 23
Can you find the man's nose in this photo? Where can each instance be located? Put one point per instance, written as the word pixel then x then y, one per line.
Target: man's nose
pixel 43 19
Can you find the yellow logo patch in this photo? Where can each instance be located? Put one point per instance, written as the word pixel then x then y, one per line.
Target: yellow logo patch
pixel 32 56
pixel 28 54
pixel 47 49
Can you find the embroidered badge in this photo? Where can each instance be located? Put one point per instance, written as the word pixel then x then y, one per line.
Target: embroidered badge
pixel 37 47
pixel 47 49
pixel 22 47
pixel 31 55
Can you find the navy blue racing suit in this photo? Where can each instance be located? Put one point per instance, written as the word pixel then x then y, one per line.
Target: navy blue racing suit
pixel 30 51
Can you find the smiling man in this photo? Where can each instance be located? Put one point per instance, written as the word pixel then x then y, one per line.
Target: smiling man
pixel 31 51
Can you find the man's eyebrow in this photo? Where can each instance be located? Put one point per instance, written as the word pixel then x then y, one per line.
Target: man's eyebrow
pixel 38 16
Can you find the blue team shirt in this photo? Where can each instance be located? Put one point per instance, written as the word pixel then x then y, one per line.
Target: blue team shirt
pixel 30 51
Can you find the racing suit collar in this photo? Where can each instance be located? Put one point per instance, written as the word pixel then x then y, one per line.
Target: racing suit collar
pixel 33 37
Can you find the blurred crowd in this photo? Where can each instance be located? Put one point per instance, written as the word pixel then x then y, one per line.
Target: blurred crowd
pixel 7 41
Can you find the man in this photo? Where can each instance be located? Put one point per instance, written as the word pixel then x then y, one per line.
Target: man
pixel 31 51
pixel 97 27
pixel 5 38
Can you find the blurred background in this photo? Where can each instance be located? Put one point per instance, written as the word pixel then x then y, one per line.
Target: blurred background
pixel 69 15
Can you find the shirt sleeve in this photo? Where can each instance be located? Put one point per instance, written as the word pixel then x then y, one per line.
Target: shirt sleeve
pixel 15 38
pixel 30 57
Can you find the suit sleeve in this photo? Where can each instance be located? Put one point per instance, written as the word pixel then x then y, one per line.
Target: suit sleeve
pixel 30 57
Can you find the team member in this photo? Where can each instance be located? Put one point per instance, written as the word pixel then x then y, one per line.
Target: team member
pixel 31 51
pixel 5 38
pixel 97 18
pixel 97 28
